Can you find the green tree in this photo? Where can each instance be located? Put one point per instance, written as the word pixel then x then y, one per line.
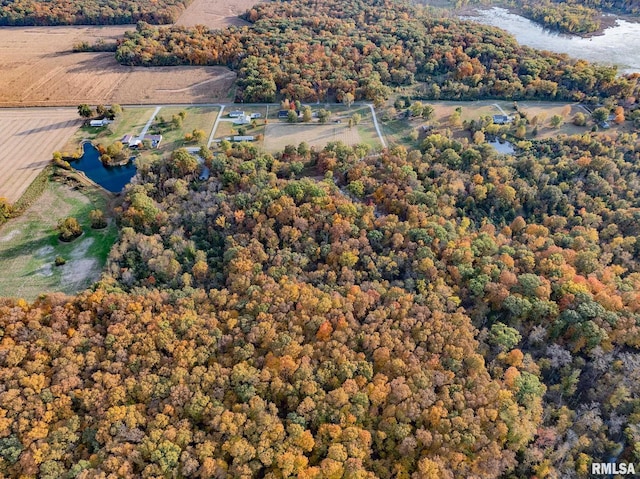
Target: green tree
pixel 198 135
pixel 348 99
pixel 417 108
pixel 556 121
pixel 600 114
pixel 292 116
pixel 69 229
pixel 579 119
pixel 114 111
pixel 428 112
pixel 503 336
pixel 6 210
pixel 97 218
pixel 176 121
pixel 182 163
pixel 306 114
pixel 323 115
pixel 85 111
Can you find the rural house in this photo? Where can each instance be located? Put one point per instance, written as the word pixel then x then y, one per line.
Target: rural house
pixel 502 119
pixel 136 141
pixel 236 114
pixel 154 139
pixel 101 122
pixel 242 120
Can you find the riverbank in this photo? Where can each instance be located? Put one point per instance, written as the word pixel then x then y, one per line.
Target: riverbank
pixel 612 47
pixel 606 20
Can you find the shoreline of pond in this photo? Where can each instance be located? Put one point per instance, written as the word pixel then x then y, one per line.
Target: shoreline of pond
pixel 112 178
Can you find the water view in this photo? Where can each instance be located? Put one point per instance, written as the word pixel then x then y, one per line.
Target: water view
pixel 112 178
pixel 503 147
pixel 618 45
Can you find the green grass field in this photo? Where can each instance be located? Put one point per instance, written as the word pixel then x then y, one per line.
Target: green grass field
pixel 279 133
pixel 131 121
pixel 398 131
pixel 197 118
pixel 29 244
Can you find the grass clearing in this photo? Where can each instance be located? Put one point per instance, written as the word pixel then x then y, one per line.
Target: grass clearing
pixel 227 129
pixel 197 118
pixel 131 121
pixel 29 244
pixel 280 135
pixel 398 129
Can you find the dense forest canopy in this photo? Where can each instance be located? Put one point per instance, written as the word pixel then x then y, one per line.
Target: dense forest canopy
pixel 403 316
pixel 326 49
pixel 89 12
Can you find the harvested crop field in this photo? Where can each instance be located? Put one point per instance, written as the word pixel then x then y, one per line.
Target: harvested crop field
pixel 28 137
pixel 39 68
pixel 277 136
pixel 215 13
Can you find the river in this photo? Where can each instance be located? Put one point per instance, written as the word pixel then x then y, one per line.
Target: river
pixel 618 45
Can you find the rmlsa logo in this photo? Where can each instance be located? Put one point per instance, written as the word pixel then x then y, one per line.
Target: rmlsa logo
pixel 610 468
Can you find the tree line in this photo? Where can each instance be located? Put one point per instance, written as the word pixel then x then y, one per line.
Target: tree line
pixel 327 50
pixel 89 12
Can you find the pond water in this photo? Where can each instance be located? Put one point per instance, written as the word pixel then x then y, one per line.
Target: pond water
pixel 618 45
pixel 503 147
pixel 112 178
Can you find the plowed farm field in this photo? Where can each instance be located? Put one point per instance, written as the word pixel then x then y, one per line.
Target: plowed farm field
pixel 39 69
pixel 27 140
pixel 215 13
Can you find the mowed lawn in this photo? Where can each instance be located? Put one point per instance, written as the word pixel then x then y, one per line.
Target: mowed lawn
pixel 398 130
pixel 197 118
pixel 280 134
pixel 27 140
pixel 29 245
pixel 130 122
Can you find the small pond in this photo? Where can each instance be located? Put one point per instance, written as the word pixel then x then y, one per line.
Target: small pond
pixel 112 178
pixel 503 147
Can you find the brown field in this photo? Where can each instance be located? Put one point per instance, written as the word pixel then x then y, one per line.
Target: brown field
pixel 277 136
pixel 215 13
pixel 28 137
pixel 545 110
pixel 38 69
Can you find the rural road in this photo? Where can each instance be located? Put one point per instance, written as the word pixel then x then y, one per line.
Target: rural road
pixel 222 106
pixel 500 108
pixel 375 123
pixel 148 125
pixel 215 127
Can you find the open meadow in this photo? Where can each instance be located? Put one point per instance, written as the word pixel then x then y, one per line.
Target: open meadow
pixel 279 135
pixel 29 245
pixel 28 138
pixel 407 131
pixel 40 69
